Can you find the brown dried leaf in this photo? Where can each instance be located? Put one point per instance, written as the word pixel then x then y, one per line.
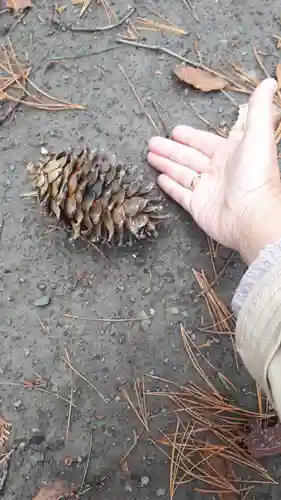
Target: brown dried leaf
pixel 18 5
pixel 265 442
pixel 199 78
pixel 53 492
pixel 278 75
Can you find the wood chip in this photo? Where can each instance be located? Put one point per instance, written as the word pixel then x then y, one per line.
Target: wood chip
pixel 199 78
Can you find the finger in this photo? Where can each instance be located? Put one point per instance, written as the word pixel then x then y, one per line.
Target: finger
pixel 179 153
pixel 260 118
pixel 203 141
pixel 177 192
pixel 182 175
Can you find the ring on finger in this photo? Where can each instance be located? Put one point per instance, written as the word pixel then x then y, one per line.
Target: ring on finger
pixel 193 181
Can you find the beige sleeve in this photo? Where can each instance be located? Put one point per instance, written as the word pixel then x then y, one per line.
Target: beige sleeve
pixel 258 334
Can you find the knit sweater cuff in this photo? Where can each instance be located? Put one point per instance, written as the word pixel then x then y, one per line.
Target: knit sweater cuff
pixel 266 259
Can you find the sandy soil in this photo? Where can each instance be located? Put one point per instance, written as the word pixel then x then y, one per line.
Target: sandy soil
pixel 39 262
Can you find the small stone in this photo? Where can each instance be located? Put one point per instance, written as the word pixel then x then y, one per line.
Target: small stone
pixel 8 182
pixel 21 280
pixel 152 311
pixel 42 286
pixel 42 301
pixel 174 310
pixel 147 291
pixel 55 388
pixel 18 403
pixel 128 487
pixel 120 288
pixel 2 371
pixel 80 459
pixel 160 492
pixel 12 167
pixel 26 352
pixel 193 336
pixel 185 314
pixel 44 151
pixel 22 445
pixel 144 481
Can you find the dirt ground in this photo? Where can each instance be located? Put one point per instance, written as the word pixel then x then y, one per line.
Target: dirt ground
pixel 154 277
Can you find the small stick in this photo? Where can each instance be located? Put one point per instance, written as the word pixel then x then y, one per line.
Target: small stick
pixel 86 469
pixel 159 15
pixel 136 440
pixel 85 380
pixel 165 50
pixel 71 398
pixel 204 120
pixel 110 320
pixel 154 103
pixel 82 54
pixel 187 3
pixel 139 100
pixel 128 14
pixel 219 275
pixel 14 384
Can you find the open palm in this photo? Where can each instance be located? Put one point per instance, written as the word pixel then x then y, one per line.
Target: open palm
pixel 239 185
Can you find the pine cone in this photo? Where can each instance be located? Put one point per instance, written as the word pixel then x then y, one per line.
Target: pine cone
pixel 96 197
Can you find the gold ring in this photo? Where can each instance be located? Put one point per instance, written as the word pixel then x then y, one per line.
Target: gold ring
pixel 192 184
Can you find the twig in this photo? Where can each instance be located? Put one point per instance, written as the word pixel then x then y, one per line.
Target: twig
pixel 82 54
pixel 19 20
pixel 165 50
pixel 86 469
pixel 219 275
pixel 21 386
pixel 187 3
pixel 136 440
pixel 110 320
pixel 204 120
pixel 139 99
pixel 85 380
pixel 154 103
pixel 71 398
pixel 128 14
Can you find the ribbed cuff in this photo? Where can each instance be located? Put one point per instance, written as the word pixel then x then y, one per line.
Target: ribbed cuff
pixel 266 259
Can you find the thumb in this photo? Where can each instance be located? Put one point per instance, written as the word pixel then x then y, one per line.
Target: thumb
pixel 260 119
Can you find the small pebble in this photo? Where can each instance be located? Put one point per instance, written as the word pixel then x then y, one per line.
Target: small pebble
pixel 18 403
pixel 193 336
pixel 8 182
pixel 44 151
pixel 42 301
pixel 152 311
pixel 160 492
pixel 22 446
pixel 147 291
pixel 185 314
pixel 42 286
pixel 144 481
pixel 120 288
pixel 26 352
pixel 12 167
pixel 174 310
pixel 128 487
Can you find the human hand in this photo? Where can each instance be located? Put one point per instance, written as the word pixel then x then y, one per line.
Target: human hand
pixel 231 187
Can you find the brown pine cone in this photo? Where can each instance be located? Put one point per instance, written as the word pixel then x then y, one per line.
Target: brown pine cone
pixel 96 197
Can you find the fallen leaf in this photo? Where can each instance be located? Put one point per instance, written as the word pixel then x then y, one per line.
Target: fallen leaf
pixel 265 442
pixel 17 5
pixel 278 75
pixel 53 492
pixel 199 78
